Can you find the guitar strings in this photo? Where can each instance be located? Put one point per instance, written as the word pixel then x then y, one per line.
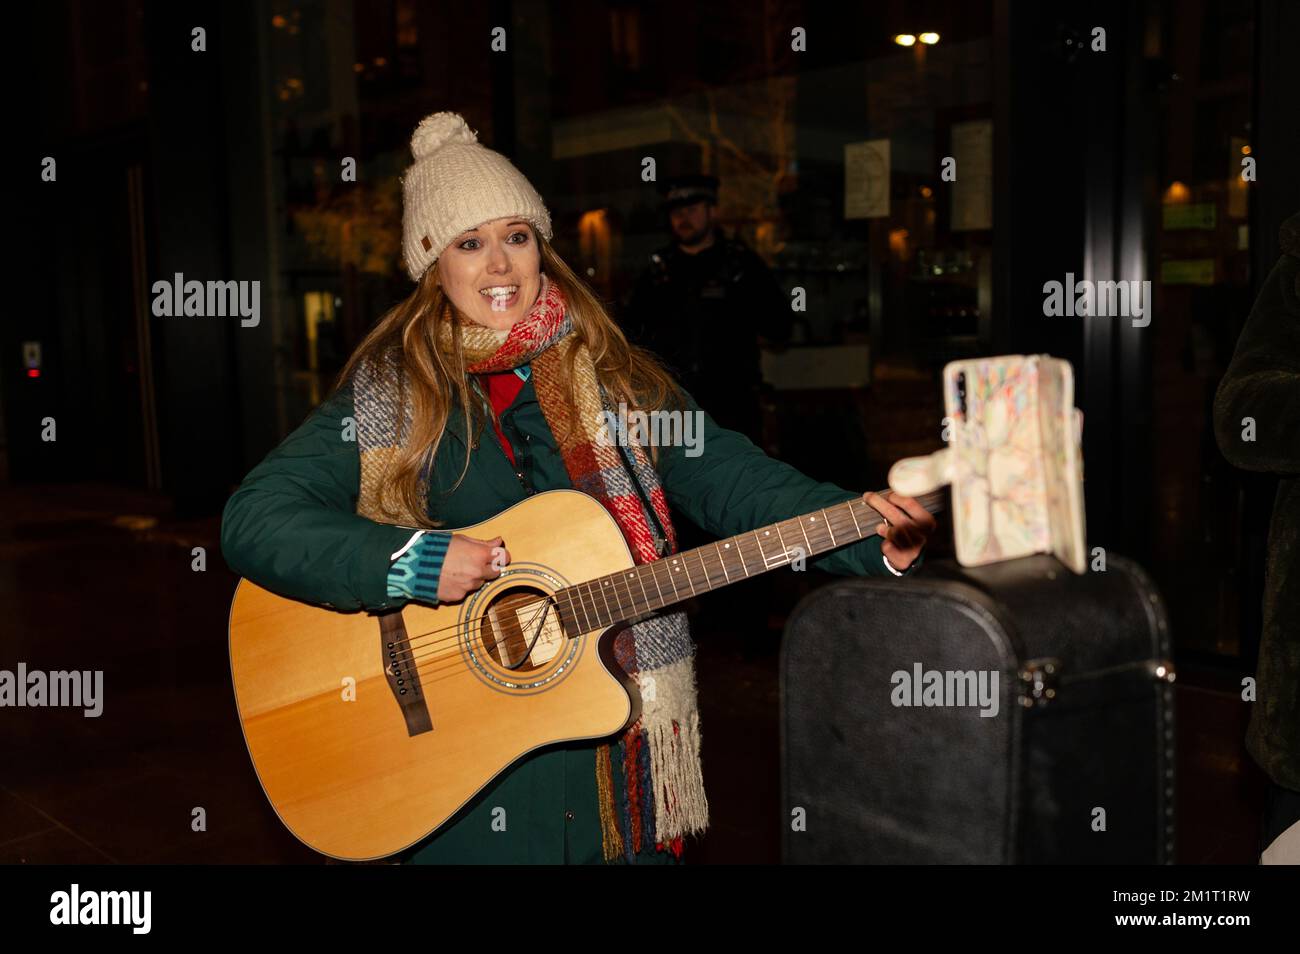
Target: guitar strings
pixel 710 576
pixel 426 662
pixel 431 673
pixel 713 577
pixel 427 659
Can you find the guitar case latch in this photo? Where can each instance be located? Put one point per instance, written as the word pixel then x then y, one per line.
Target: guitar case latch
pixel 1038 681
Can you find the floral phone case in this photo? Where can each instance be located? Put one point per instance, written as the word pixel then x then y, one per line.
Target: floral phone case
pixel 1014 460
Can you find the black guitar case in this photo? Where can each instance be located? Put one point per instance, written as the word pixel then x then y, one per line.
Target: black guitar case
pixel 890 754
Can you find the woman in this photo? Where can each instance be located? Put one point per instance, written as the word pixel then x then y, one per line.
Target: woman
pixel 345 512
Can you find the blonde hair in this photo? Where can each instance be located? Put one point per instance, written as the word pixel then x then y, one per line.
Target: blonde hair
pixel 437 382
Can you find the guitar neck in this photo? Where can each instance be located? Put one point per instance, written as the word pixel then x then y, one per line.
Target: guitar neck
pixel 628 594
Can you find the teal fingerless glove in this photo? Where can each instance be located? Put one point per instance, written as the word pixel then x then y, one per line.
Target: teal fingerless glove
pixel 414 574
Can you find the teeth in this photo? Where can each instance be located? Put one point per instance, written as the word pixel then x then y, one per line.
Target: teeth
pixel 500 291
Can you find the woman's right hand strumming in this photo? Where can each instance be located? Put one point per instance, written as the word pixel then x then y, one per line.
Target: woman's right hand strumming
pixel 469 564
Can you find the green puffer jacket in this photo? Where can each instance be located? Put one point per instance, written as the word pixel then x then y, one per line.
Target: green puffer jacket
pixel 1263 383
pixel 291 527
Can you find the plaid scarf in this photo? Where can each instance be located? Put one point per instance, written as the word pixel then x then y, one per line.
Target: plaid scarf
pixel 658 755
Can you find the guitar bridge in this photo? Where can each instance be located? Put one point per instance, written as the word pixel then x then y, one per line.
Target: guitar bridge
pixel 403 673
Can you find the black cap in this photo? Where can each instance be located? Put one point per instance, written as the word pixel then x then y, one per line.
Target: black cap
pixel 684 190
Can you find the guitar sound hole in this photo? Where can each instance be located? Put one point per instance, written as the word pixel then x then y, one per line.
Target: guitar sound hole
pixel 511 625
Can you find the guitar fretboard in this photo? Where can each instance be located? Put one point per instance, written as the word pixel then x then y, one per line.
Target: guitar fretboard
pixel 628 594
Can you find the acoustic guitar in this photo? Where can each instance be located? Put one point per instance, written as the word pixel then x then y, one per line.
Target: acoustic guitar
pixel 369 731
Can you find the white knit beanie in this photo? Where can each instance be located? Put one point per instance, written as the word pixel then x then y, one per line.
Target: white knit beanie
pixel 456 183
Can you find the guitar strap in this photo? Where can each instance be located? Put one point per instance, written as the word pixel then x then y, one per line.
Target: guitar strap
pixel 660 535
pixel 657 530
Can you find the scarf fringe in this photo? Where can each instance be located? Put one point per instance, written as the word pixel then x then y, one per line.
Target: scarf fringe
pixel 611 838
pixel 663 756
pixel 683 809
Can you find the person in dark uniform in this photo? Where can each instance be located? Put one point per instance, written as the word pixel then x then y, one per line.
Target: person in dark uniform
pixel 705 304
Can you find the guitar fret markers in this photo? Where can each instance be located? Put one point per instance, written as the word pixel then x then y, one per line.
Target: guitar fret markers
pixel 831 537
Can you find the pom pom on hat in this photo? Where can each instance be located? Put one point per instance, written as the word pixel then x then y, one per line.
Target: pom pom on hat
pixel 437 130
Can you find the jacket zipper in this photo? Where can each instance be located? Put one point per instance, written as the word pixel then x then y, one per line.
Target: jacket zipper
pixel 519 473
